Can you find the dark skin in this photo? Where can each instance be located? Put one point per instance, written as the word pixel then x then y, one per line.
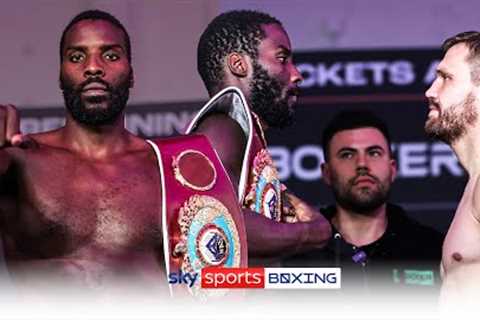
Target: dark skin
pixel 266 238
pixel 69 210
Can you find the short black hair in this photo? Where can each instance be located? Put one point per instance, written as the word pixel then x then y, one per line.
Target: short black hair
pixel 472 40
pixel 348 120
pixel 233 31
pixel 96 15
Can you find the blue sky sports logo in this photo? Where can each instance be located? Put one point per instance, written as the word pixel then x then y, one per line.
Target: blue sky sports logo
pixel 185 278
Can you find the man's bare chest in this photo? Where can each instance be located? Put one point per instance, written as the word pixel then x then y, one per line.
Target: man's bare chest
pixel 462 243
pixel 64 204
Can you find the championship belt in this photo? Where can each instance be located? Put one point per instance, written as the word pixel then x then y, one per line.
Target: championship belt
pixel 201 221
pixel 259 188
pixel 265 192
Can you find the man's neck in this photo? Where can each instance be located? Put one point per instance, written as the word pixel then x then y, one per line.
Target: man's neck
pixel 467 151
pixel 360 229
pixel 95 141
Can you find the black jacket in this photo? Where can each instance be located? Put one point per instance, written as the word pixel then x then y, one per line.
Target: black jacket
pixel 407 256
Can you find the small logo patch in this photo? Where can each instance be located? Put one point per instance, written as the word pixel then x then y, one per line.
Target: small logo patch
pixel 415 277
pixel 212 244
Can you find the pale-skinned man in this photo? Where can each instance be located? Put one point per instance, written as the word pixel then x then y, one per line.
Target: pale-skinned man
pixel 453 118
pixel 375 242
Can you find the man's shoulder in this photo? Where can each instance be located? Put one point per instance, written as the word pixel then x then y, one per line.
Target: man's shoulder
pixel 47 139
pixel 225 134
pixel 403 222
pixel 12 158
pixel 413 235
pixel 219 121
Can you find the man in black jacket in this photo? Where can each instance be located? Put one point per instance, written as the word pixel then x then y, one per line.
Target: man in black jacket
pixel 377 245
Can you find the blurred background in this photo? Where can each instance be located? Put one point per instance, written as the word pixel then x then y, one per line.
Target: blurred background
pixel 378 55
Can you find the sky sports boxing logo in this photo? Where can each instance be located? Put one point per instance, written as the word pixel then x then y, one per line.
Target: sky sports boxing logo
pixel 260 278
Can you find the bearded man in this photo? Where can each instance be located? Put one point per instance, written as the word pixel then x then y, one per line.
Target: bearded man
pixel 86 208
pixel 245 61
pixel 375 242
pixel 453 118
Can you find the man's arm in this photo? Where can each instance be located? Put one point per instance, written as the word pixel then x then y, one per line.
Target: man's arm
pixel 9 134
pixel 228 139
pixel 476 203
pixel 265 237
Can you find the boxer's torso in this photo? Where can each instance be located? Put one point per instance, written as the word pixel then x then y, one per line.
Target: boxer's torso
pixel 80 219
pixel 462 243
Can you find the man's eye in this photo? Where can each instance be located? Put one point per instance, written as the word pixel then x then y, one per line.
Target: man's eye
pixel 76 57
pixel 346 155
pixel 444 76
pixel 283 59
pixel 375 153
pixel 111 56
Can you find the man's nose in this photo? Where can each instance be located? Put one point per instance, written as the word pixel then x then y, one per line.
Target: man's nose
pixel 295 75
pixel 362 163
pixel 432 91
pixel 94 68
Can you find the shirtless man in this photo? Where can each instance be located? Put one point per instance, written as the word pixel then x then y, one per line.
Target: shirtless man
pixel 70 203
pixel 454 104
pixel 251 51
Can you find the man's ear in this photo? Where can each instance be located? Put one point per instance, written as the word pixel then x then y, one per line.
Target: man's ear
pixel 393 165
pixel 237 64
pixel 326 177
pixel 131 79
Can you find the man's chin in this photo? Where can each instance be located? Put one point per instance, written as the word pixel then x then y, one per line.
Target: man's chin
pixel 292 101
pixel 364 197
pixel 432 121
pixel 366 194
pixel 92 105
pixel 96 107
pixel 433 130
pixel 95 100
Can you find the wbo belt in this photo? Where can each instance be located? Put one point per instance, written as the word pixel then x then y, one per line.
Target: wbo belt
pixel 202 223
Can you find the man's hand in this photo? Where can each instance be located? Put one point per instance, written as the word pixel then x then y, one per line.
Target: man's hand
pixel 296 210
pixel 10 127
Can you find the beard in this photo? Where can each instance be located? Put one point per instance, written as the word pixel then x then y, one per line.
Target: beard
pixel 365 200
pixel 95 114
pixel 452 124
pixel 267 99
